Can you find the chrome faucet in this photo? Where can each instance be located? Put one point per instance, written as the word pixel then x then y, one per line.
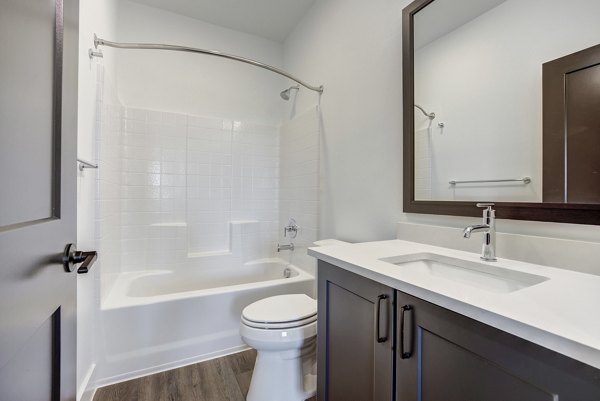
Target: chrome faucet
pixel 488 228
pixel 292 230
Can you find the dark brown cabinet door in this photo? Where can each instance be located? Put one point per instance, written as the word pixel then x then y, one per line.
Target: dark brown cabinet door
pixel 453 358
pixel 38 128
pixel 355 340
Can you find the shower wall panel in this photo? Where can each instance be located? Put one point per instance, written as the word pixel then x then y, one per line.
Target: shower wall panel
pixel 299 183
pixel 108 180
pixel 184 179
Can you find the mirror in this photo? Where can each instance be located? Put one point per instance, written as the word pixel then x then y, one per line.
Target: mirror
pixel 504 97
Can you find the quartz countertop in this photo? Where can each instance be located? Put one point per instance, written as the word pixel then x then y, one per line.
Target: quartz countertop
pixel 561 313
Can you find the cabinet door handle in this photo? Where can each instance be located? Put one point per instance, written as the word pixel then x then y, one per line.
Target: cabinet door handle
pixel 385 300
pixel 406 337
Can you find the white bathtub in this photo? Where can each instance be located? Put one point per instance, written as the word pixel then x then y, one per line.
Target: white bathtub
pixel 158 320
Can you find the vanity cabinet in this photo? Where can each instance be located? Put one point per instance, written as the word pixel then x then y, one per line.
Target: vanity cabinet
pixel 450 357
pixel 429 353
pixel 355 340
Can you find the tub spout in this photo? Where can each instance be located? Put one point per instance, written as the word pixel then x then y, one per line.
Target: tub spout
pixel 284 247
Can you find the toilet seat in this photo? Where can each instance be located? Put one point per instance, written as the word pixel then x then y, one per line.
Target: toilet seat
pixel 279 325
pixel 281 312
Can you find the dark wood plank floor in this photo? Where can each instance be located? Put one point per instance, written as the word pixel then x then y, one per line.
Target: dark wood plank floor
pixel 221 379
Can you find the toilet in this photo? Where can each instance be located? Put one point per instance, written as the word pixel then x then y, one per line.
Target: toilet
pixel 283 330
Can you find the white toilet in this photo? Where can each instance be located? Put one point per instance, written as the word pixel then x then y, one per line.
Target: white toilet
pixel 283 330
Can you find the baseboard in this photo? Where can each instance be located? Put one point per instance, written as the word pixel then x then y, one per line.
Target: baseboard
pixel 84 392
pixel 88 395
pixel 168 366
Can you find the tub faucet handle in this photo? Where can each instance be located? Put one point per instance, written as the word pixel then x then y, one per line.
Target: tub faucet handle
pixel 291 229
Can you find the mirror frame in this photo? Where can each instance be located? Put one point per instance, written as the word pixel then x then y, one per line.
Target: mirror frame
pixel 550 212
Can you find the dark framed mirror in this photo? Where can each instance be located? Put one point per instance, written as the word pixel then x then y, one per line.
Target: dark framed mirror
pixel 502 104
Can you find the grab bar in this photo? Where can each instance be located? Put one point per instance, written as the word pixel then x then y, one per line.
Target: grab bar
pixel 524 180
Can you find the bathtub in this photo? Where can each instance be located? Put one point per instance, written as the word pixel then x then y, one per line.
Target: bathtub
pixel 157 320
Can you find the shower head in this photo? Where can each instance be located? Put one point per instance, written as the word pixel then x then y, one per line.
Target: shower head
pixel 285 95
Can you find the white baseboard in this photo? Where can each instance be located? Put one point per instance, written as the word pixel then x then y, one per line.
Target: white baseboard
pixel 88 395
pixel 84 392
pixel 168 366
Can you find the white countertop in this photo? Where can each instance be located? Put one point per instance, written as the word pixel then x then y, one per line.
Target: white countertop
pixel 562 313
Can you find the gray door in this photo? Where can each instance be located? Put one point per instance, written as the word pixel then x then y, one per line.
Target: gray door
pixel 38 124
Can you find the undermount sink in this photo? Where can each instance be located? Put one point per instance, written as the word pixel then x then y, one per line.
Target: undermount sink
pixel 485 276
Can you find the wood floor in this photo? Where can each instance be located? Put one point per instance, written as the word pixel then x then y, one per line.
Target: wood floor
pixel 221 379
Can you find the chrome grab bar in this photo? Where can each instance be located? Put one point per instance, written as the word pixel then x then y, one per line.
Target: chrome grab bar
pixel 524 180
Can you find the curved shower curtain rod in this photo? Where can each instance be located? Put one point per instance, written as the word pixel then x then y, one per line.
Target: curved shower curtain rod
pixel 431 116
pixel 154 46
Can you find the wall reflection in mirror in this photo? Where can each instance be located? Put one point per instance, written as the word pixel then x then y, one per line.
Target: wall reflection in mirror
pixel 479 98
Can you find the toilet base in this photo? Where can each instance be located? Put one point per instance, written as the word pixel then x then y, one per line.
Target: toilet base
pixel 284 376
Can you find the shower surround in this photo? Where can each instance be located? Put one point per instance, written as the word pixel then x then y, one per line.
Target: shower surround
pixel 176 186
pixel 189 205
pixel 187 179
pixel 204 198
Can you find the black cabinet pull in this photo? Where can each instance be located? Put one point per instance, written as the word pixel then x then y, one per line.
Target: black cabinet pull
pixel 406 337
pixel 385 300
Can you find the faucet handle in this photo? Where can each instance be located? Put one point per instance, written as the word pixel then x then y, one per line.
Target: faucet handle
pixel 292 229
pixel 489 212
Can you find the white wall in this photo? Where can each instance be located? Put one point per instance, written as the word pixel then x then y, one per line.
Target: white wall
pixel 354 48
pixel 484 82
pixel 191 83
pixel 100 17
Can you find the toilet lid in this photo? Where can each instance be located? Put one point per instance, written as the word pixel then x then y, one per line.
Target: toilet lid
pixel 281 309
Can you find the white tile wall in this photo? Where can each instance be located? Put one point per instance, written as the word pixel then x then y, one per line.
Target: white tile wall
pixel 153 189
pixel 209 184
pixel 177 189
pixel 108 207
pixel 232 176
pixel 299 182
pixel 255 151
pixel 173 186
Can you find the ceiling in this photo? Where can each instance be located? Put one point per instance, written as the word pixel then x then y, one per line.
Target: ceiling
pixel 270 19
pixel 444 16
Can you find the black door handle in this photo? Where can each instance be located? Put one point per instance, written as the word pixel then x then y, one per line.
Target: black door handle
pixel 71 257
